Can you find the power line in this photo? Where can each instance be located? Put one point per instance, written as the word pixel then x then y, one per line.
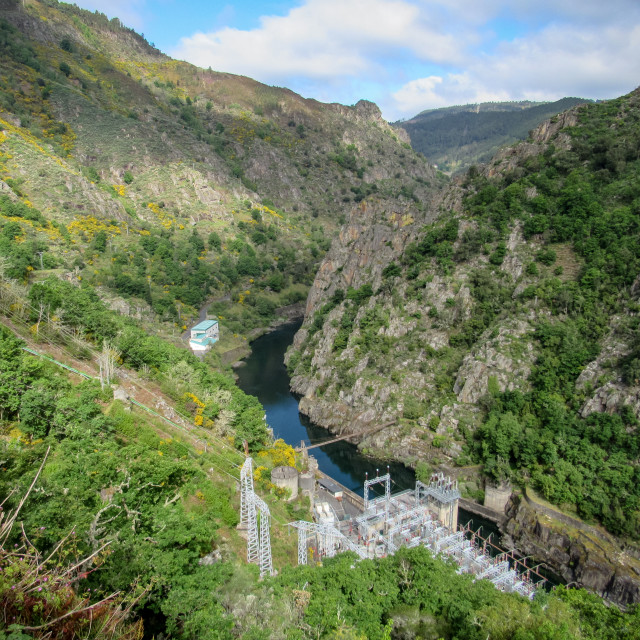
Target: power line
pixel 96 354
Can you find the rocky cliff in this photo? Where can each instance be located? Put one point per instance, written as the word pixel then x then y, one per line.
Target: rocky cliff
pixel 497 322
pixel 580 554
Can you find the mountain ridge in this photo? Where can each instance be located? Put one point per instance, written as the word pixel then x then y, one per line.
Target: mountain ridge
pixel 456 137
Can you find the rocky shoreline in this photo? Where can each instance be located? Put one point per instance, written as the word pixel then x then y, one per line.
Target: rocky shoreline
pixel 284 315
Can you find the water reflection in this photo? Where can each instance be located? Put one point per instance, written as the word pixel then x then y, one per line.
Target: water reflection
pixel 265 376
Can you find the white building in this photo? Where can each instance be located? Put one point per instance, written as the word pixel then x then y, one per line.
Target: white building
pixel 203 335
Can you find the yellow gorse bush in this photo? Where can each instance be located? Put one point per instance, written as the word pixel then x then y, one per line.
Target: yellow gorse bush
pixel 165 220
pixel 90 225
pixel 280 454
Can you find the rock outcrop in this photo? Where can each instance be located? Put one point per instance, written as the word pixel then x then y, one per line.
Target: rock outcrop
pixel 580 554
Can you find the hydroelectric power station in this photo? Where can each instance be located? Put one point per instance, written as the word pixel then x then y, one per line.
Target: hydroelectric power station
pixel 426 515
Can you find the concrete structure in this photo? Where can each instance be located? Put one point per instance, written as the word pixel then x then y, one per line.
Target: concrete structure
pixel 331 487
pixel 313 464
pixel 286 478
pixel 496 498
pixel 306 483
pixel 203 335
pixel 442 497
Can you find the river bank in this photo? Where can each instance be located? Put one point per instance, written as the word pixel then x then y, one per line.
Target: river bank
pixel 235 355
pixel 292 313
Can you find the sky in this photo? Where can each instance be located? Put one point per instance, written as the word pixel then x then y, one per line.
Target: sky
pixel 404 55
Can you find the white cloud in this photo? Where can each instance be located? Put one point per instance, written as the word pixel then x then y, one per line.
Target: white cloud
pixel 411 55
pixel 412 97
pixel 594 12
pixel 324 39
pixel 561 60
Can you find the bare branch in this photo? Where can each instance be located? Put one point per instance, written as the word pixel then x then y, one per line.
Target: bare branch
pixel 71 613
pixel 5 529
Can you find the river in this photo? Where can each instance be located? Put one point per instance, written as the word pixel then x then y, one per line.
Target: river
pixel 264 375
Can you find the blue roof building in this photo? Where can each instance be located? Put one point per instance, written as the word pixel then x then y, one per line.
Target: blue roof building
pixel 203 335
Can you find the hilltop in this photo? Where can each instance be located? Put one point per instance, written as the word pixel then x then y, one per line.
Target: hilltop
pixel 454 138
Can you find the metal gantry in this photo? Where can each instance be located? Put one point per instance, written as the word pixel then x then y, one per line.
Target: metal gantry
pixel 265 561
pixel 420 516
pixel 329 540
pixel 258 536
pixel 386 479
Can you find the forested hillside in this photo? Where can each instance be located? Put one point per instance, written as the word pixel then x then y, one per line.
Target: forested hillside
pixel 505 332
pixel 454 138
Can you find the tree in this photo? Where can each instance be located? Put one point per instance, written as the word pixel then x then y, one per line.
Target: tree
pixel 100 241
pixel 214 241
pixel 107 361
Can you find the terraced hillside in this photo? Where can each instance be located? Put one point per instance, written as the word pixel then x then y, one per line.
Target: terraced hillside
pixel 164 185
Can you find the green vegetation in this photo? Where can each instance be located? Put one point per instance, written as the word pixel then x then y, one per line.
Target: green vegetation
pixel 126 510
pixel 455 138
pixel 552 245
pixel 588 197
pixel 109 478
pixel 231 191
pixel 413 595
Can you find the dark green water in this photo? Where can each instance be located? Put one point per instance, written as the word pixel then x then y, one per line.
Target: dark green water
pixel 265 376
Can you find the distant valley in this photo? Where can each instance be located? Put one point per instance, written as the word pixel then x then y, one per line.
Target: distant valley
pixel 454 138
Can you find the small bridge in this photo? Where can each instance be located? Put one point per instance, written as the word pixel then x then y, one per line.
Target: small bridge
pixel 344 437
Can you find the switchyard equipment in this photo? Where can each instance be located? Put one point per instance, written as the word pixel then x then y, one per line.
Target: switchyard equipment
pixel 426 515
pixel 385 479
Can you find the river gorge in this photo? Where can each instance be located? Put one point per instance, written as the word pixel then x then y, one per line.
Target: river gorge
pixel 576 552
pixel 264 375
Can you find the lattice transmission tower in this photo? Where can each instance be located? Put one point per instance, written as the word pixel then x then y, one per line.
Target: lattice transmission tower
pixel 258 535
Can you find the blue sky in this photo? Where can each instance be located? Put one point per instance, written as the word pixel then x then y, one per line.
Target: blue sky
pixel 405 55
